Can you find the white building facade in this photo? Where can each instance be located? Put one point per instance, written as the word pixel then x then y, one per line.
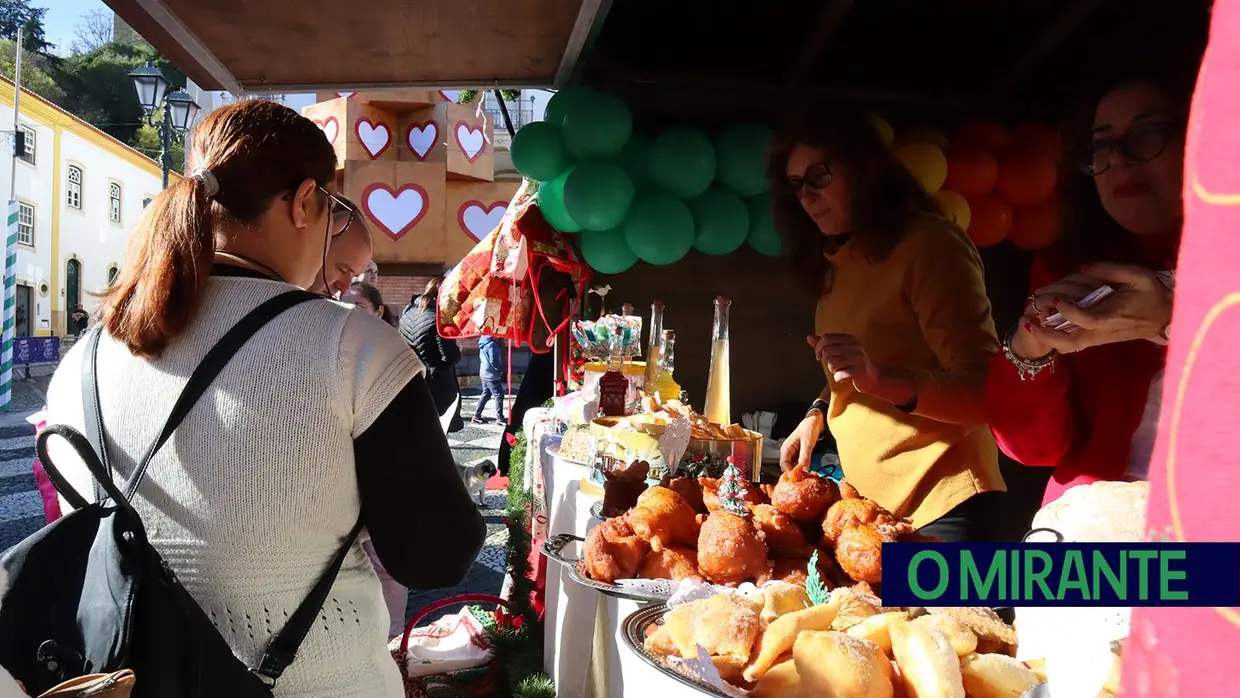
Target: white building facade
pixel 80 193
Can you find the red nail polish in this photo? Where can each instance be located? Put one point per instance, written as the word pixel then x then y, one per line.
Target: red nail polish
pixel 1029 328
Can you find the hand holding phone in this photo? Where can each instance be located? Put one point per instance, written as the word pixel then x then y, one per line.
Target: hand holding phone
pixel 1057 322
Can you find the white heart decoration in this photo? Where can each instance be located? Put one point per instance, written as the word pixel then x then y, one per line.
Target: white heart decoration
pixel 477 220
pixel 375 138
pixel 331 128
pixel 453 96
pixel 422 138
pixel 346 95
pixel 470 139
pixel 395 211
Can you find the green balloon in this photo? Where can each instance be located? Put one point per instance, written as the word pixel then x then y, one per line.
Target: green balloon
pixel 742 158
pixel 562 101
pixel 598 127
pixel 659 228
pixel 682 162
pixel 762 234
pixel 606 251
pixel 551 203
pixel 538 151
pixel 597 195
pixel 635 159
pixel 720 221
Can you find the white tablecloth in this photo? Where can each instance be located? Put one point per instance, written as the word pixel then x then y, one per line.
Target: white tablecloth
pixel 583 650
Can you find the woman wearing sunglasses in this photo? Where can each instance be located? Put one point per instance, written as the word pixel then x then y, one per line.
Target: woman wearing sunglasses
pixel 1086 401
pixel 903 327
pixel 322 419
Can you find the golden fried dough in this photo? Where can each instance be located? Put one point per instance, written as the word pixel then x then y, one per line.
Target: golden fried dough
pixel 962 640
pixel 927 662
pixel 996 676
pixel 835 665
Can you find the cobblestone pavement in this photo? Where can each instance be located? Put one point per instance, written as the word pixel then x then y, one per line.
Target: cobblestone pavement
pixel 21 509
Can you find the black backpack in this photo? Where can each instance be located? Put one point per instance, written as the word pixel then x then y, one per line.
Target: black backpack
pixel 89 594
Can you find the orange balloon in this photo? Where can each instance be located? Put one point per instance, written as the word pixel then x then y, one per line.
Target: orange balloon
pixel 1025 180
pixel 983 134
pixel 1036 139
pixel 1035 227
pixel 990 220
pixel 971 171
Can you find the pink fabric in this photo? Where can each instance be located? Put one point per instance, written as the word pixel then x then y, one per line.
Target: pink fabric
pixel 51 500
pixel 1188 652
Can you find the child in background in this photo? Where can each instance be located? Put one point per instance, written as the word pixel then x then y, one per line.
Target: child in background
pixel 491 371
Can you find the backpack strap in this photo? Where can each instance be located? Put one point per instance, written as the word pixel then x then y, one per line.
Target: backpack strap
pixel 214 362
pixel 91 413
pixel 282 649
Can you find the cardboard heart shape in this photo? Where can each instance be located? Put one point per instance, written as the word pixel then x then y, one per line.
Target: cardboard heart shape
pixel 471 140
pixel 453 96
pixel 395 211
pixel 346 95
pixel 478 219
pixel 421 138
pixel 374 136
pixel 331 128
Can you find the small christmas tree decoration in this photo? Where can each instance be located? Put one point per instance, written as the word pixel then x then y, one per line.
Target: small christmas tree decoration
pixel 732 492
pixel 817 591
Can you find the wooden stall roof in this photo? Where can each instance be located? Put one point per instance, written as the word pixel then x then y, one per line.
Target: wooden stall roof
pixel 308 45
pixel 964 55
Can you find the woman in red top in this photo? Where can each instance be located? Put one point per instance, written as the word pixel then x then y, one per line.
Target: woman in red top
pixel 1086 402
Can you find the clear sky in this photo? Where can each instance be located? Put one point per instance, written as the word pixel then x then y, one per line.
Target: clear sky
pixel 62 16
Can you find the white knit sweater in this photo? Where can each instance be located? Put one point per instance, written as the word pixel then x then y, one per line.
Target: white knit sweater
pixel 256 489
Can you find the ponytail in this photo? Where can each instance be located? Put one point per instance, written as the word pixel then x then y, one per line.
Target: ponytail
pixel 248 153
pixel 170 254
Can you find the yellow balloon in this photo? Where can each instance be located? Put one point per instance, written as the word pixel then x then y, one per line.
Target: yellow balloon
pixel 955 208
pixel 886 134
pixel 926 162
pixel 924 134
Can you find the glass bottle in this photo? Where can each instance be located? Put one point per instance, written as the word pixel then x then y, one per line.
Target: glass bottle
pixel 718 384
pixel 613 387
pixel 665 385
pixel 653 366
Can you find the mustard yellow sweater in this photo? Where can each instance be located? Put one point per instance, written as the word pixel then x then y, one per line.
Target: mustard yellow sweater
pixel 923 309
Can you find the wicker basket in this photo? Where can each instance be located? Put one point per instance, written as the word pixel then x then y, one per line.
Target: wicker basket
pixel 476 682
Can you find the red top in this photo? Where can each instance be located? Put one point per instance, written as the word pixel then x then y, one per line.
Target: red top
pixel 1080 417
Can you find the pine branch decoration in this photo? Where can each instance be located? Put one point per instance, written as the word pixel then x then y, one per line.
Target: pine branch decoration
pixel 817 591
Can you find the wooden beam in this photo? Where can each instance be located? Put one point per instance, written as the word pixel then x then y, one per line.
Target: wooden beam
pixel 1044 44
pixel 585 30
pixel 830 19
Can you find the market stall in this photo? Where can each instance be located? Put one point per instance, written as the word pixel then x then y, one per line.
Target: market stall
pixel 623 170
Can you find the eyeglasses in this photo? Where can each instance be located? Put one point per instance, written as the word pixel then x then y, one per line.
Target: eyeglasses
pixel 1140 144
pixel 340 214
pixel 816 177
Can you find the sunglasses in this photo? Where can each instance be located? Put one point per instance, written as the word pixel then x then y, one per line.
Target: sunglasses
pixel 816 177
pixel 1140 144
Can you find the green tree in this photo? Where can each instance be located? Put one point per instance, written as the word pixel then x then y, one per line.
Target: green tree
pixel 146 141
pixel 20 13
pixel 35 75
pixel 98 88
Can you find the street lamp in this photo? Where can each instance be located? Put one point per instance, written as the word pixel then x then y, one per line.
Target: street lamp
pixel 179 110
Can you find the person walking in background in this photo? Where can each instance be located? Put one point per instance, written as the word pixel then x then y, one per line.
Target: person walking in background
pixel 491 371
pixel 367 297
pixel 440 355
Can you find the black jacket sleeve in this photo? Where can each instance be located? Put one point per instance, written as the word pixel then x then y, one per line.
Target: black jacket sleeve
pixel 425 528
pixel 450 350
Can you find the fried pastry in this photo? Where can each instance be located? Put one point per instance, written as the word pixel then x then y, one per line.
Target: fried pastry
pixel 995 676
pixel 835 665
pixel 689 490
pixel 782 633
pixel 804 496
pixel 725 625
pixel 853 512
pixel 662 518
pixel 784 537
pixel 927 662
pixel 731 550
pixel 675 563
pixel 984 623
pixel 613 551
